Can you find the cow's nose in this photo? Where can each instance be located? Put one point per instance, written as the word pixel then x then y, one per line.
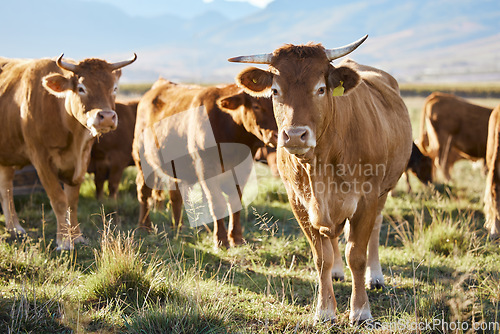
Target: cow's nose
pixel 294 136
pixel 107 119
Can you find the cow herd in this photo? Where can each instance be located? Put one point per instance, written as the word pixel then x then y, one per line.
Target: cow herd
pixel 340 136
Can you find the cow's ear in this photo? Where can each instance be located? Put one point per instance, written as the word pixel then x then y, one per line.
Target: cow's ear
pixel 255 81
pixel 342 77
pixel 57 84
pixel 231 103
pixel 117 73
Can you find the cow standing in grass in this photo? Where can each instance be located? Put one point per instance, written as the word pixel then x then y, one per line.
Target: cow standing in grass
pixel 453 129
pixel 492 192
pixel 50 113
pixel 112 152
pixel 344 139
pixel 187 135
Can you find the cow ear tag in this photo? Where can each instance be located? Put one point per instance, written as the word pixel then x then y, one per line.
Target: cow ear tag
pixel 339 90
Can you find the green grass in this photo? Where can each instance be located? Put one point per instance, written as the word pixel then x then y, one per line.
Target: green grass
pixel 437 260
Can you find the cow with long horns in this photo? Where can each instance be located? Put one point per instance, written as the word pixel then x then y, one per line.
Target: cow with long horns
pixel 50 113
pixel 344 139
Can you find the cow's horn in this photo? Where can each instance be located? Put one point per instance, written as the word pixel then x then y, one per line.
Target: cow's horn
pixel 336 53
pixel 255 59
pixel 64 65
pixel 124 63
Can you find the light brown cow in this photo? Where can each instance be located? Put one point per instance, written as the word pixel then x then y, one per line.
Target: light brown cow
pixel 492 192
pixel 50 112
pixel 183 135
pixel 112 152
pixel 452 129
pixel 338 156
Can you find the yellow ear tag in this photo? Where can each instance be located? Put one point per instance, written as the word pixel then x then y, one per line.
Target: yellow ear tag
pixel 254 81
pixel 339 90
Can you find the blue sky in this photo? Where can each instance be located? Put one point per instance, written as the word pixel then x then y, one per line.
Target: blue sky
pixel 150 8
pixel 257 3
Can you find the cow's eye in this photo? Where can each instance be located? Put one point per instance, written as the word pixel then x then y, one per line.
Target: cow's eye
pixel 321 90
pixel 274 91
pixel 115 89
pixel 81 89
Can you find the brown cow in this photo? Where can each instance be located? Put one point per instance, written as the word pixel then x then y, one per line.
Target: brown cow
pixel 338 156
pixel 453 129
pixel 420 165
pixel 267 155
pixel 183 133
pixel 50 112
pixel 491 196
pixel 112 152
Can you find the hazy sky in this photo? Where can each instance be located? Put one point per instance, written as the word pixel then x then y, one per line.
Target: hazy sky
pixel 258 3
pixel 151 8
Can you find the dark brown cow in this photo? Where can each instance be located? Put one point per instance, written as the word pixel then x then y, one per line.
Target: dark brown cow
pixel 420 165
pixel 112 152
pixel 50 112
pixel 338 156
pixel 453 129
pixel 183 133
pixel 492 192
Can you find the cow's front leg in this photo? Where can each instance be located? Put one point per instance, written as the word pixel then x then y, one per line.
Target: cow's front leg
pixel 323 254
pixel 7 200
pixel 360 229
pixel 73 196
pixel 235 234
pixel 323 258
pixel 58 201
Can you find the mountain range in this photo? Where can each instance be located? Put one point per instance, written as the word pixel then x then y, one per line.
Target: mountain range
pixel 415 40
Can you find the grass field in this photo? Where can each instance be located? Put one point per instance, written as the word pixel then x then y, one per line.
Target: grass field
pixel 442 273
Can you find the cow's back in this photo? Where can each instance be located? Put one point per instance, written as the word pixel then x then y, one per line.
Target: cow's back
pixel 20 90
pixel 379 129
pixel 174 120
pixel 11 72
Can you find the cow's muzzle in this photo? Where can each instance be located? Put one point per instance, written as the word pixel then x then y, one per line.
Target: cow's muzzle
pixel 297 139
pixel 103 121
pixel 270 137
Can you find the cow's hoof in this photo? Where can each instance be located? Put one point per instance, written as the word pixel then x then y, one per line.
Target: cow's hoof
pixel 374 280
pixel 338 277
pixel 236 242
pixel 375 284
pixel 325 316
pixel 221 245
pixel 65 246
pixel 368 323
pixel 81 240
pixel 17 232
pixel 359 317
